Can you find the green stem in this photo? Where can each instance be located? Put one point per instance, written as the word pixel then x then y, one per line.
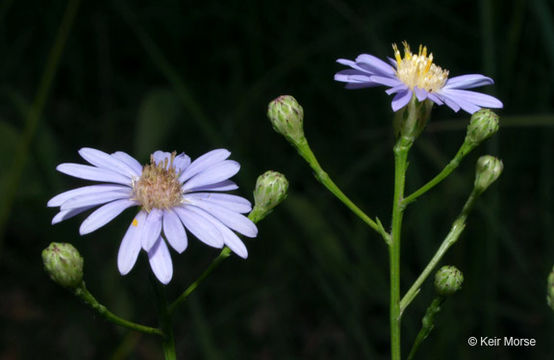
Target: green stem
pixel 401 150
pixel 455 232
pixel 22 151
pixel 305 151
pixel 225 253
pixel 427 324
pixel 168 342
pixel 90 300
pixel 452 165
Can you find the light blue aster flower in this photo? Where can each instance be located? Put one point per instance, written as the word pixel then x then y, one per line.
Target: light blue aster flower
pixel 173 194
pixel 415 74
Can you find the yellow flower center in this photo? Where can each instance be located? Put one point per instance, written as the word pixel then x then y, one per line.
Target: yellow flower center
pixel 418 69
pixel 158 186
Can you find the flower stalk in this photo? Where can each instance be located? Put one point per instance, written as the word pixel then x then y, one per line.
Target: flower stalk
pixel 82 292
pixel 401 150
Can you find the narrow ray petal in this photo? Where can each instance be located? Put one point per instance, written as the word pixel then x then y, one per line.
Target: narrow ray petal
pixel 59 199
pixel 204 162
pixel 96 199
pixel 105 161
pixel 93 173
pixel 199 226
pixel 226 185
pixel 130 161
pixel 160 261
pixel 104 215
pixel 474 97
pixel 231 202
pixel 217 173
pixel 130 245
pixel 174 231
pixel 468 81
pixel 374 64
pixel 152 229
pixel 401 99
pixel 230 238
pixel 233 220
pixel 67 214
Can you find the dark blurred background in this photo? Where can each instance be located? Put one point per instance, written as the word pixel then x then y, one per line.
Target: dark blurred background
pixel 192 76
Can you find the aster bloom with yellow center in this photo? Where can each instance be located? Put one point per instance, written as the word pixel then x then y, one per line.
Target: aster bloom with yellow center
pixel 173 194
pixel 416 74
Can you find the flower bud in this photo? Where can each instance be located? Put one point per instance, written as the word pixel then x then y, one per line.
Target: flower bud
pixel 271 189
pixel 64 264
pixel 287 117
pixel 448 280
pixel 550 290
pixel 483 125
pixel 487 171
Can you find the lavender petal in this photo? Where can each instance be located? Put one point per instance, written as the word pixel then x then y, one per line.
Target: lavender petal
pixel 105 161
pixel 204 162
pixel 174 231
pixel 93 173
pixel 96 199
pixel 217 173
pixel 421 94
pixel 374 65
pixel 230 238
pixel 226 185
pixel 231 219
pixel 130 161
pixel 152 229
pixel 104 215
pixel 85 190
pixel 401 99
pixel 67 214
pixel 197 224
pixel 468 81
pixel 130 245
pixel 474 97
pixel 160 261
pixel 231 202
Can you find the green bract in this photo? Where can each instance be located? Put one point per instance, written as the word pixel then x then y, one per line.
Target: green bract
pixel 287 117
pixel 64 264
pixel 487 171
pixel 448 280
pixel 271 189
pixel 483 124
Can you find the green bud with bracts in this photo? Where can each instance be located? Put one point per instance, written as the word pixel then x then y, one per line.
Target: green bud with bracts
pixel 271 189
pixel 64 264
pixel 448 280
pixel 488 169
pixel 287 118
pixel 483 125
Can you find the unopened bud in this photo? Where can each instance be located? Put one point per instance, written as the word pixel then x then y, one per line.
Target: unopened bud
pixel 64 264
pixel 550 289
pixel 448 280
pixel 271 189
pixel 487 171
pixel 287 117
pixel 483 125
